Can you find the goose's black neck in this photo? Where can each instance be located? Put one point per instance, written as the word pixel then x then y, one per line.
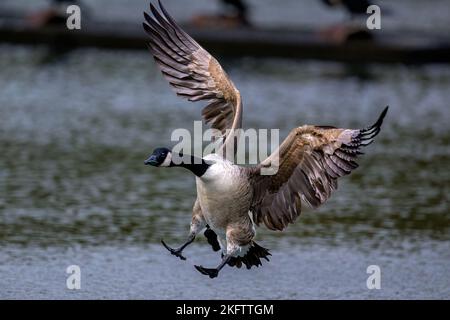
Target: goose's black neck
pixel 196 165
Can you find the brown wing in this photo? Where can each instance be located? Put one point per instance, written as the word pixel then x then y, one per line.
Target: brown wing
pixel 311 159
pixel 193 72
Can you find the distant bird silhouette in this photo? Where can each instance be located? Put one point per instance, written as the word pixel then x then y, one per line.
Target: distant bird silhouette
pixel 234 14
pixel 350 30
pixel 240 8
pixel 354 7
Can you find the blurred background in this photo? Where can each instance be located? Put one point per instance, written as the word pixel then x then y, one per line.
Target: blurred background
pixel 77 120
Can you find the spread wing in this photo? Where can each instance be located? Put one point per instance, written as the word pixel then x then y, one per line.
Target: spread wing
pixel 193 73
pixel 311 159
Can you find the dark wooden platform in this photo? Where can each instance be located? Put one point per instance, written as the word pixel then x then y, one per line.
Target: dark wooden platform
pixel 404 47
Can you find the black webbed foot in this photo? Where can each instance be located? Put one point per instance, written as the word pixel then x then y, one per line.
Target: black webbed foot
pixel 211 272
pixel 175 252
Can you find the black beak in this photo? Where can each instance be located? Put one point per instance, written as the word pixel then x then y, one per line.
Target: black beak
pixel 151 161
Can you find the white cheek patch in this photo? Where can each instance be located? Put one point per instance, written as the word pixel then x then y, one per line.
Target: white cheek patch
pixel 167 161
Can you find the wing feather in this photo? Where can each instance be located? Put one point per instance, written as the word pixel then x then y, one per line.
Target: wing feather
pixel 311 159
pixel 194 74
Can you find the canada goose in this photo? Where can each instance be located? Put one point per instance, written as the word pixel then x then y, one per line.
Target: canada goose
pixel 231 199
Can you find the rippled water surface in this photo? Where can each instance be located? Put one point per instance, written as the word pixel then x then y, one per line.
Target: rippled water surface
pixel 74 190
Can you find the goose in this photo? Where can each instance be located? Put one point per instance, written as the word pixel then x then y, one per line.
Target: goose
pixel 233 200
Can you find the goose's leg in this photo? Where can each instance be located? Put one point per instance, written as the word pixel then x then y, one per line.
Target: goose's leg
pixel 177 251
pixel 214 272
pixel 197 224
pixel 238 235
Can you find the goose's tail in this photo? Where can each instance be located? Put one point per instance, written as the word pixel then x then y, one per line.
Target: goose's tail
pixel 252 258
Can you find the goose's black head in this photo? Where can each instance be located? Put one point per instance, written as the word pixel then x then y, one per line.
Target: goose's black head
pixel 161 157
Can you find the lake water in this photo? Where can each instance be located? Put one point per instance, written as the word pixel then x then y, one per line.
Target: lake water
pixel 74 190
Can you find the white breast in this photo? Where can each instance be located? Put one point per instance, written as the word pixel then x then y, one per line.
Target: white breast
pixel 219 170
pixel 222 192
pixel 220 179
